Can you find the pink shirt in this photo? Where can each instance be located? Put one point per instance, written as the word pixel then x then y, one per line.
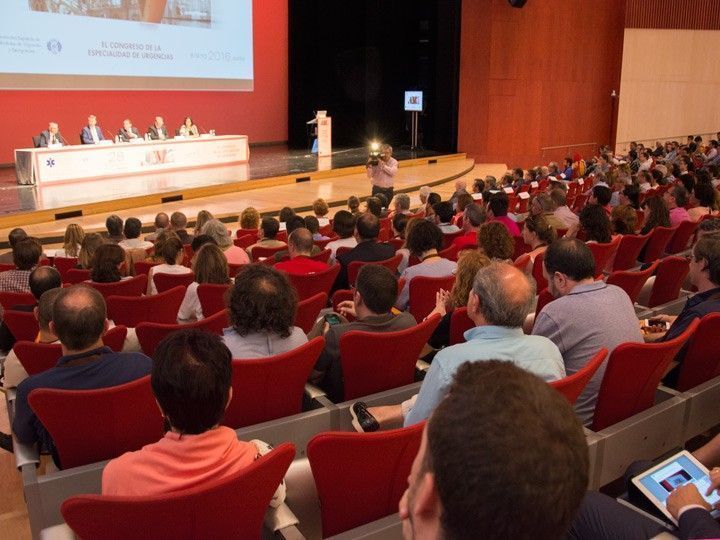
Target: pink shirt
pixel 678 215
pixel 236 255
pixel 382 175
pixel 177 462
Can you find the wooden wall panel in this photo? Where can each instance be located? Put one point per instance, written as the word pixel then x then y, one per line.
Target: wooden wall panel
pixel 533 77
pixel 673 14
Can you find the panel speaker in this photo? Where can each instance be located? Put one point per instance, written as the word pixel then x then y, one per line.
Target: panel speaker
pixel 517 3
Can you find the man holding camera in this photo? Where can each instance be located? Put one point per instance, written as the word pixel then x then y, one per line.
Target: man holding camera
pixel 381 170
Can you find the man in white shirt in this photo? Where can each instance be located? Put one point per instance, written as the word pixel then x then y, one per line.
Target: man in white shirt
pixel 92 133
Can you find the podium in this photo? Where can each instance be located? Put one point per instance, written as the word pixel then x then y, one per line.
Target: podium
pixel 324 134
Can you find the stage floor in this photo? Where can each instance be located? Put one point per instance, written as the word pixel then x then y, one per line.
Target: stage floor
pixel 265 162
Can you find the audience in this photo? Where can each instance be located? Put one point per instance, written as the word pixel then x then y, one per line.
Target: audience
pixel 354 205
pixel 313 225
pixel 424 241
pixel 675 200
pixel 344 227
pixel 401 205
pixel 368 249
pixel 543 204
pixel 594 225
pixel 293 224
pixel 178 224
pixel 26 256
pixel 497 209
pixel 216 230
pixel 286 213
pixel 114 226
pixel 656 214
pixel 267 235
pixel 473 217
pixel 249 219
pixel 490 453
pixel 586 316
pixel 624 219
pixel 262 306
pixel 538 234
pixel 209 266
pixel 300 244
pixel 562 212
pixel 191 381
pixel 320 210
pixel 172 254
pixel 702 200
pixel 79 319
pixel 89 245
pixel 132 230
pixel 373 298
pixel 14 237
pixel 107 264
pixel 495 242
pixel 202 218
pixel 72 242
pixel 444 214
pixel 162 222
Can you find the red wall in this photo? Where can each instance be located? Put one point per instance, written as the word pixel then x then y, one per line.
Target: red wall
pixel 538 76
pixel 260 114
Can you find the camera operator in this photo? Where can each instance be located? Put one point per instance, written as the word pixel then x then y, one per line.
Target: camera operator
pixel 381 170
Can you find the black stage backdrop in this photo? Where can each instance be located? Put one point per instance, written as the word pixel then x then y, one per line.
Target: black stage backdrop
pixel 356 59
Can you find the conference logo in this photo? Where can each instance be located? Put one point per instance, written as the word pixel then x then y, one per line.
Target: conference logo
pixel 50 162
pixel 414 100
pixel 54 46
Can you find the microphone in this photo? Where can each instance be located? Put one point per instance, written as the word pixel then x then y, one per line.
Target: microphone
pixel 201 129
pixel 111 137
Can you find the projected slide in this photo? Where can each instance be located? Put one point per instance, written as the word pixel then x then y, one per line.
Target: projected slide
pixel 126 44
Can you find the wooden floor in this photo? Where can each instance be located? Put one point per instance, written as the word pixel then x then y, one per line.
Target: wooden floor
pixel 13 513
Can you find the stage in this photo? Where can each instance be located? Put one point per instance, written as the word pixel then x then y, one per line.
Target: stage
pixel 274 177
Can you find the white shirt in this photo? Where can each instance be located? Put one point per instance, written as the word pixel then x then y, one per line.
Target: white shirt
pixel 93 132
pixel 333 246
pixel 190 309
pixel 135 243
pixel 323 221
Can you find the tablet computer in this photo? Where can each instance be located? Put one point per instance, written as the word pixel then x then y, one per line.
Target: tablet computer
pixel 658 482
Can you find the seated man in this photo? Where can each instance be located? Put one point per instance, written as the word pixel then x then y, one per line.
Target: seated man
pixel 562 211
pixel 114 226
pixel 158 130
pixel 368 249
pixel 373 299
pixel 178 224
pixel 14 236
pixel 473 217
pixel 79 320
pixel 444 214
pixel 401 205
pixel 467 480
pixel 267 233
pixel 51 136
pixel 26 256
pixel 497 209
pixel 92 133
pixel 675 200
pixel 293 223
pixel 543 204
pixel 132 230
pixel 162 222
pixel 500 299
pixel 300 244
pixel 128 132
pixel 191 380
pixel 601 196
pixel 586 316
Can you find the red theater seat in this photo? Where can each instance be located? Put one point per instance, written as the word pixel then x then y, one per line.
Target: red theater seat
pixel 165 282
pixel 308 311
pixel 37 357
pixel 151 334
pixel 131 310
pixel 460 323
pixel 308 285
pixel 702 357
pixel 76 275
pixel 628 251
pixel 423 294
pixel 572 386
pixel 212 297
pixel 10 299
pixel 632 282
pixel 354 267
pixel 134 286
pixel 22 325
pixel 669 277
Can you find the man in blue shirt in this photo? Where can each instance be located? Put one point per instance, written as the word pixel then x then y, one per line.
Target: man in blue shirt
pixel 500 299
pixel 79 321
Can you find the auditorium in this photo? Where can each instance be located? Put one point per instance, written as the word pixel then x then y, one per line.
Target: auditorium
pixel 303 269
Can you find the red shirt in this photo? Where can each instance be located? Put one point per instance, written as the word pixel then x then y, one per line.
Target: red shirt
pixel 467 239
pixel 301 265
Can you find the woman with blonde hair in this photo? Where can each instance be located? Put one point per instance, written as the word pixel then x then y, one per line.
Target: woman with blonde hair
pixel 210 266
pixel 202 218
pixel 321 209
pixel 72 242
pixel 249 218
pixel 88 246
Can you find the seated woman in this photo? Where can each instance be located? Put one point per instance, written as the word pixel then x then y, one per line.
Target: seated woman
pixel 188 129
pixel 72 242
pixel 594 225
pixel 424 241
pixel 202 218
pixel 405 251
pixel 172 254
pixel 321 210
pixel 210 266
pixel 107 264
pixel 624 219
pixel 262 308
pixel 538 234
pixel 656 214
pixel 469 262
pixel 312 225
pixel 463 200
pixel 495 242
pixel 218 232
pixel 249 219
pixel 88 246
pixel 191 380
pixel 702 199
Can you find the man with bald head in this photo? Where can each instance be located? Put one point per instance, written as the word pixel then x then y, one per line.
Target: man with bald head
pixel 500 299
pixel 162 222
pixel 79 320
pixel 460 189
pixel 51 136
pixel 300 245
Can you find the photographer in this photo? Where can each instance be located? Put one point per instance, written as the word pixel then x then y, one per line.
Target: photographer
pixel 381 170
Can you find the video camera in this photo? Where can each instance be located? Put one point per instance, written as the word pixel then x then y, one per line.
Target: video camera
pixel 375 154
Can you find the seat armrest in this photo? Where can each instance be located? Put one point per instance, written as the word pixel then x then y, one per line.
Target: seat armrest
pixel 25 454
pixel 280 518
pixel 421 365
pixel 290 533
pixel 313 392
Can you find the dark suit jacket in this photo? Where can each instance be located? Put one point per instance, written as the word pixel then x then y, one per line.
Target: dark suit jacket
pixel 125 135
pixel 45 138
pixel 697 523
pixel 86 135
pixel 154 134
pixel 366 251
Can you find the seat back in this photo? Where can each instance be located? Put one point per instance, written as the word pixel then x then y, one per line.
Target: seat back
pixel 680 240
pixel 322 243
pixel 264 252
pixel 212 297
pixel 543 299
pixel 231 507
pixel 268 388
pixel 603 253
pixel 423 293
pixel 76 275
pixel 165 282
pixel 396 243
pixel 655 247
pixel 520 247
pixel 308 285
pixel 360 477
pixel 702 357
pixel 88 426
pixel 150 334
pixel 669 277
pixel 36 141
pixel 572 386
pixel 22 325
pixel 10 299
pixel 537 272
pixel 354 267
pixel 632 376
pixel 460 323
pixel 245 241
pixel 37 357
pixel 450 253
pixel 64 264
pixel 323 256
pixel 143 267
pixel 234 269
pixel 629 250
pixel 392 362
pixel 134 286
pixel 632 282
pixel 132 310
pixel 115 338
pixel 308 311
pixel 247 232
pixel 448 238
